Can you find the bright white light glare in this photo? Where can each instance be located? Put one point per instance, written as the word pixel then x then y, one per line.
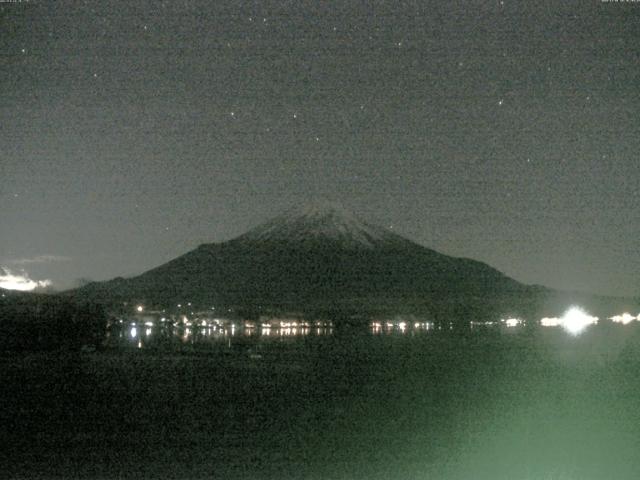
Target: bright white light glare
pixel 139 308
pixel 624 319
pixel 575 320
pixel 134 332
pixel 12 281
pixel 551 322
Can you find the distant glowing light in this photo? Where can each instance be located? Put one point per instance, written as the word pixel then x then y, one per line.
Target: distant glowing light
pixel 576 320
pixel 512 322
pixel 134 332
pixel 140 308
pixel 550 322
pixel 624 319
pixel 13 281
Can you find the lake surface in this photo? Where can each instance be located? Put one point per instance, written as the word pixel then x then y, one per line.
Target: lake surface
pixel 481 404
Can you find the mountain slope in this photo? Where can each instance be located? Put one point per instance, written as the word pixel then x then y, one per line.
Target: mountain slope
pixel 318 259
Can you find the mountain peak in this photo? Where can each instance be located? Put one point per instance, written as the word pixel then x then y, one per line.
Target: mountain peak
pixel 322 222
pixel 321 207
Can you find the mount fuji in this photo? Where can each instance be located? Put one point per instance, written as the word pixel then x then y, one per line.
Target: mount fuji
pixel 323 260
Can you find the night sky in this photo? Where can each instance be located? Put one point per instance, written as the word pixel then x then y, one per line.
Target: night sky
pixel 507 132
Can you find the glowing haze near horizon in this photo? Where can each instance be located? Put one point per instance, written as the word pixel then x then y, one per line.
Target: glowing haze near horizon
pixel 503 131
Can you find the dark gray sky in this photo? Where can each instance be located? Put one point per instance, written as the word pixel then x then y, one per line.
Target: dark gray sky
pixel 508 132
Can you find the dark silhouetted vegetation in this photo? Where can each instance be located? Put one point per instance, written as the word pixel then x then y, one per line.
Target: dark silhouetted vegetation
pixel 31 322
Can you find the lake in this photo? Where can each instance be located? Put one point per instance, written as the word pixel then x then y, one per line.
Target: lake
pixel 487 403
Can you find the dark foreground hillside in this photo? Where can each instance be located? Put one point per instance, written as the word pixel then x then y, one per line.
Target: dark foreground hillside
pixel 469 406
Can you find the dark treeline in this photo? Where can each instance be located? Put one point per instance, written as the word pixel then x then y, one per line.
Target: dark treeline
pixel 32 322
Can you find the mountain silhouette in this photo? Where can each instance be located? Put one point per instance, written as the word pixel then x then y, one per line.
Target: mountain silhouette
pixel 322 260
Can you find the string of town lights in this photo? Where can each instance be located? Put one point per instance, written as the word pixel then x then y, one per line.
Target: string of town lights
pixel 575 320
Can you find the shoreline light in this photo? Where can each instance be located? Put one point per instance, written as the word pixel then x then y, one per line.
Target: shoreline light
pixel 624 319
pixel 512 322
pixel 575 320
pixel 551 322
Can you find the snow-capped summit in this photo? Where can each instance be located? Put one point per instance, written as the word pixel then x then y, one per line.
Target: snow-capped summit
pixel 322 222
